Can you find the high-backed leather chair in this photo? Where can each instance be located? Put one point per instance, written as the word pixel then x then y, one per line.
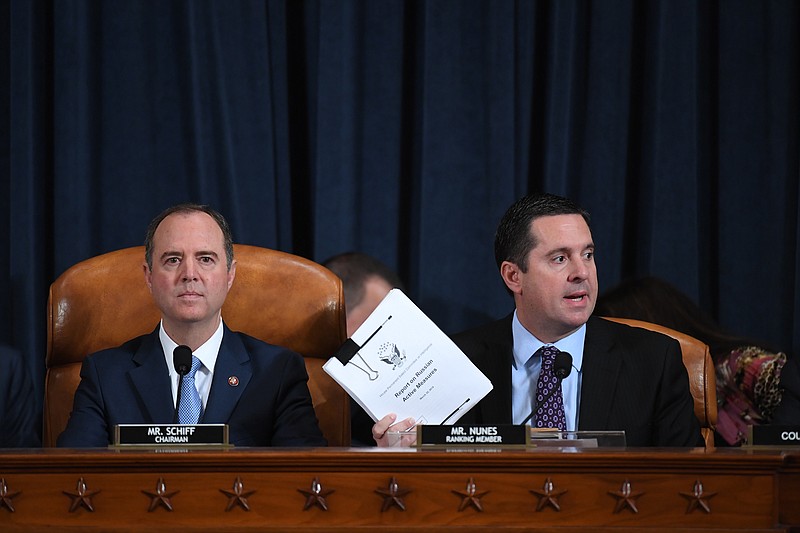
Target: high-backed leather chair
pixel 280 298
pixel 702 376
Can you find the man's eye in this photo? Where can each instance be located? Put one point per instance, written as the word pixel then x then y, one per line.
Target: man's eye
pixel 206 259
pixel 559 259
pixel 589 256
pixel 172 260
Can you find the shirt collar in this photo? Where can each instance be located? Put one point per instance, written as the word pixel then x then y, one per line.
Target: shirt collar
pixel 526 344
pixel 207 352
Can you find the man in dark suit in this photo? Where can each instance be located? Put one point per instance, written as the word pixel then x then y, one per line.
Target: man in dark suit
pixel 630 379
pixel 258 389
pixel 366 282
pixel 788 410
pixel 20 420
pixel 622 378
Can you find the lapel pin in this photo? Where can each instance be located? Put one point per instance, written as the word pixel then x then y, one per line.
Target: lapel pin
pixel 233 381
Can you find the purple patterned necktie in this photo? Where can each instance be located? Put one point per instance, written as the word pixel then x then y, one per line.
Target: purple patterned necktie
pixel 549 400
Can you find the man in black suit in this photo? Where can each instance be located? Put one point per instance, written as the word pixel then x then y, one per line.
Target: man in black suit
pixel 19 419
pixel 788 410
pixel 366 282
pixel 622 378
pixel 258 389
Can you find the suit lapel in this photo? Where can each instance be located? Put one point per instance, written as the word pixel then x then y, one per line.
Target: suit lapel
pixel 150 379
pixel 495 408
pixel 233 362
pixel 601 368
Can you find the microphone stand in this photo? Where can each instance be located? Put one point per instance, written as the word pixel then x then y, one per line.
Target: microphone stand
pixel 182 360
pixel 178 399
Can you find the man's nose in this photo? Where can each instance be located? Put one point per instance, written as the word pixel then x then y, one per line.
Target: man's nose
pixel 189 271
pixel 580 271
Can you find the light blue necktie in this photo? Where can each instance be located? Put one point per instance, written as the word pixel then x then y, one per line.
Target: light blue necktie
pixel 190 407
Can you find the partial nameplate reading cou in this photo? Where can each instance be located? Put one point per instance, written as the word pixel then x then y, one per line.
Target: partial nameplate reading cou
pixel 779 436
pixel 167 435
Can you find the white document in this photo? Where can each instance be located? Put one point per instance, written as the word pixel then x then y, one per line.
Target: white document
pixel 400 362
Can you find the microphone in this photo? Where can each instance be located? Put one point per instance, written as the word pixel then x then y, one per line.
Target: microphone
pixel 182 360
pixel 562 366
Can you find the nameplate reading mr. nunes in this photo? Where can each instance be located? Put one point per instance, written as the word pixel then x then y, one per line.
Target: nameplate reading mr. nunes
pixel 171 435
pixel 472 435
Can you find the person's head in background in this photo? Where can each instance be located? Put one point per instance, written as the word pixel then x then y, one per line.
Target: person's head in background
pixel 366 282
pixel 654 300
pixel 749 374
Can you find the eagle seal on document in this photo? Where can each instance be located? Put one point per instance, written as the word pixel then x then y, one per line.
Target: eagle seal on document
pixel 390 354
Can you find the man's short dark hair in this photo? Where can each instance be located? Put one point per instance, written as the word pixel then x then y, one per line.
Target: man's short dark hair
pixel 355 269
pixel 227 236
pixel 513 240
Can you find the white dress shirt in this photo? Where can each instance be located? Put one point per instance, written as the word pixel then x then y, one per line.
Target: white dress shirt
pixel 207 353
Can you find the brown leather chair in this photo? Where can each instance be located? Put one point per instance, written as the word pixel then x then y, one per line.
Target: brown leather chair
pixel 280 298
pixel 702 376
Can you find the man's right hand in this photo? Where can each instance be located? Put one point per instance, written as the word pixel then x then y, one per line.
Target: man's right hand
pixel 387 424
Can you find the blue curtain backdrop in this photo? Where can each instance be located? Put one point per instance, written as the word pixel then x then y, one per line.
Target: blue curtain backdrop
pixel 404 129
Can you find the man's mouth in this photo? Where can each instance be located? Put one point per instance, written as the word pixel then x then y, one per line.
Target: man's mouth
pixel 190 295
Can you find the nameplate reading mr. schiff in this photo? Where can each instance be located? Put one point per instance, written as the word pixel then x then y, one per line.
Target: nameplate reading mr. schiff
pixel 171 435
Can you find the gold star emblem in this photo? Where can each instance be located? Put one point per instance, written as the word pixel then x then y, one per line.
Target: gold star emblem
pixel 237 495
pixel 316 496
pixel 6 496
pixel 82 497
pixel 160 496
pixel 392 495
pixel 626 497
pixel 548 496
pixel 698 498
pixel 471 496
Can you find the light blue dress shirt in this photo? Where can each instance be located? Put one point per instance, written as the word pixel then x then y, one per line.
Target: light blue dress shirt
pixel 525 373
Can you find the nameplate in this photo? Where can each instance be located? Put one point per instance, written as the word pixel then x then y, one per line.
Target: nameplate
pixel 782 436
pixel 471 435
pixel 171 435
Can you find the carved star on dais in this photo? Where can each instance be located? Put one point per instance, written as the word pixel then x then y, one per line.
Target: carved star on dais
pixel 393 496
pixel 471 496
pixel 316 496
pixel 698 498
pixel 548 496
pixel 626 497
pixel 82 497
pixel 160 496
pixel 6 496
pixel 238 495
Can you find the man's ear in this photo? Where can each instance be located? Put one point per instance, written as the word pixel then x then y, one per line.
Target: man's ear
pixel 147 276
pixel 231 274
pixel 511 276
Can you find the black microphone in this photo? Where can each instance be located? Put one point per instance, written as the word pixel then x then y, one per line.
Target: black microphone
pixel 562 366
pixel 182 360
